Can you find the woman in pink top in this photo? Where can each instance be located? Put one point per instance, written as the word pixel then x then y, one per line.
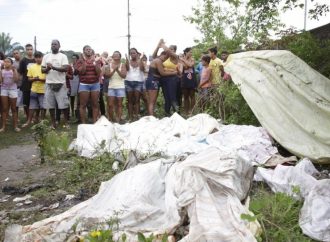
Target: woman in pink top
pixel 8 81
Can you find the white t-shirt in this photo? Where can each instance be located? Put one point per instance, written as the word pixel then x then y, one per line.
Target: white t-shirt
pixel 57 60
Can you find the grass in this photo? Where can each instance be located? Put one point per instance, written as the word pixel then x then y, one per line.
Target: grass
pixel 278 215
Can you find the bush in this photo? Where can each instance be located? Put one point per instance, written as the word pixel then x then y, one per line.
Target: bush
pixel 227 103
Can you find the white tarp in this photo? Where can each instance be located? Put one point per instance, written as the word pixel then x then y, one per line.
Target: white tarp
pixel 314 217
pixel 290 99
pixel 149 198
pixel 175 136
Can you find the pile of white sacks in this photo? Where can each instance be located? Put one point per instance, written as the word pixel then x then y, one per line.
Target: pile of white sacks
pixel 206 175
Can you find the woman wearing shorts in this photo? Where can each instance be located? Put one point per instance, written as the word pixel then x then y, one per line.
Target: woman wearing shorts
pixel 116 89
pixel 134 83
pixel 8 81
pixel 89 69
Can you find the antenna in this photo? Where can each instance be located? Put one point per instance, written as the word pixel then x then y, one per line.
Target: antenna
pixel 128 28
pixel 35 43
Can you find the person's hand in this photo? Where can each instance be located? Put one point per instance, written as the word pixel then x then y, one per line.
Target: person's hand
pixel 49 66
pixel 161 43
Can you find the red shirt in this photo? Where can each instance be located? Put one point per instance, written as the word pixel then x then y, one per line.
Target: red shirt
pixel 90 76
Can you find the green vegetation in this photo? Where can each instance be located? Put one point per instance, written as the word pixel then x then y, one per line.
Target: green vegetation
pixel 6 46
pixel 278 215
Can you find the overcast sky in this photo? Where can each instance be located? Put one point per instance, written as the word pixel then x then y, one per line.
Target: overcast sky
pixel 103 23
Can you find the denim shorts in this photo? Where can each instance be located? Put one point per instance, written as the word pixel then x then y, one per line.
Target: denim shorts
pixel 89 87
pixel 116 92
pixel 153 83
pixel 133 86
pixel 36 100
pixel 11 93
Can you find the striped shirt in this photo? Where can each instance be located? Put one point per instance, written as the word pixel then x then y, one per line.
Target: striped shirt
pixel 90 76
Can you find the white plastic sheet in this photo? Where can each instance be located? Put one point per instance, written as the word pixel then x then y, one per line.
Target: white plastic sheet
pixel 175 136
pixel 290 99
pixel 149 197
pixel 315 214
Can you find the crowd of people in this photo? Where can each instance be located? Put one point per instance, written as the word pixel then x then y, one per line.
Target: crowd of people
pixel 101 83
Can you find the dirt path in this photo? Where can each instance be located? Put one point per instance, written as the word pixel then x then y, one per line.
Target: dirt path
pixel 21 173
pixel 18 161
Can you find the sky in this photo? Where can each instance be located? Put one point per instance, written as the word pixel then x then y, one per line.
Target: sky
pixel 102 24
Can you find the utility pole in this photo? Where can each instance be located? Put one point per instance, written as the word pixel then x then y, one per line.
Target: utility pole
pixel 305 18
pixel 128 28
pixel 35 43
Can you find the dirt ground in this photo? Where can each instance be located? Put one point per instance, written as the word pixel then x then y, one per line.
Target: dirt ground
pixel 21 174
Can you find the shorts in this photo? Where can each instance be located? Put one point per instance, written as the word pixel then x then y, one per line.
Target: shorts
pixel 19 102
pixel 26 98
pixel 36 100
pixel 132 86
pixel 116 92
pixel 52 97
pixel 106 85
pixel 11 93
pixel 95 87
pixel 153 83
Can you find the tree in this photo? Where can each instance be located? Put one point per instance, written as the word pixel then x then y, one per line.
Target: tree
pixel 6 46
pixel 230 23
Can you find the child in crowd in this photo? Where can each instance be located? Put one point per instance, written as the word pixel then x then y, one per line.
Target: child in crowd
pixel 37 89
pixel 8 81
pixel 206 81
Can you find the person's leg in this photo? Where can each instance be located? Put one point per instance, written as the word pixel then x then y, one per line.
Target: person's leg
pixel 52 117
pixel 136 104
pixel 62 100
pixel 145 99
pixel 26 103
pixel 4 112
pixel 50 103
pixel 186 101
pixel 101 101
pixel 178 93
pixel 119 108
pixel 83 98
pixel 77 111
pixel 95 104
pixel 36 118
pixel 192 100
pixel 152 101
pixel 31 109
pixel 172 89
pixel 57 114
pixel 130 99
pixel 12 102
pixel 166 89
pixel 72 99
pixel 111 107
